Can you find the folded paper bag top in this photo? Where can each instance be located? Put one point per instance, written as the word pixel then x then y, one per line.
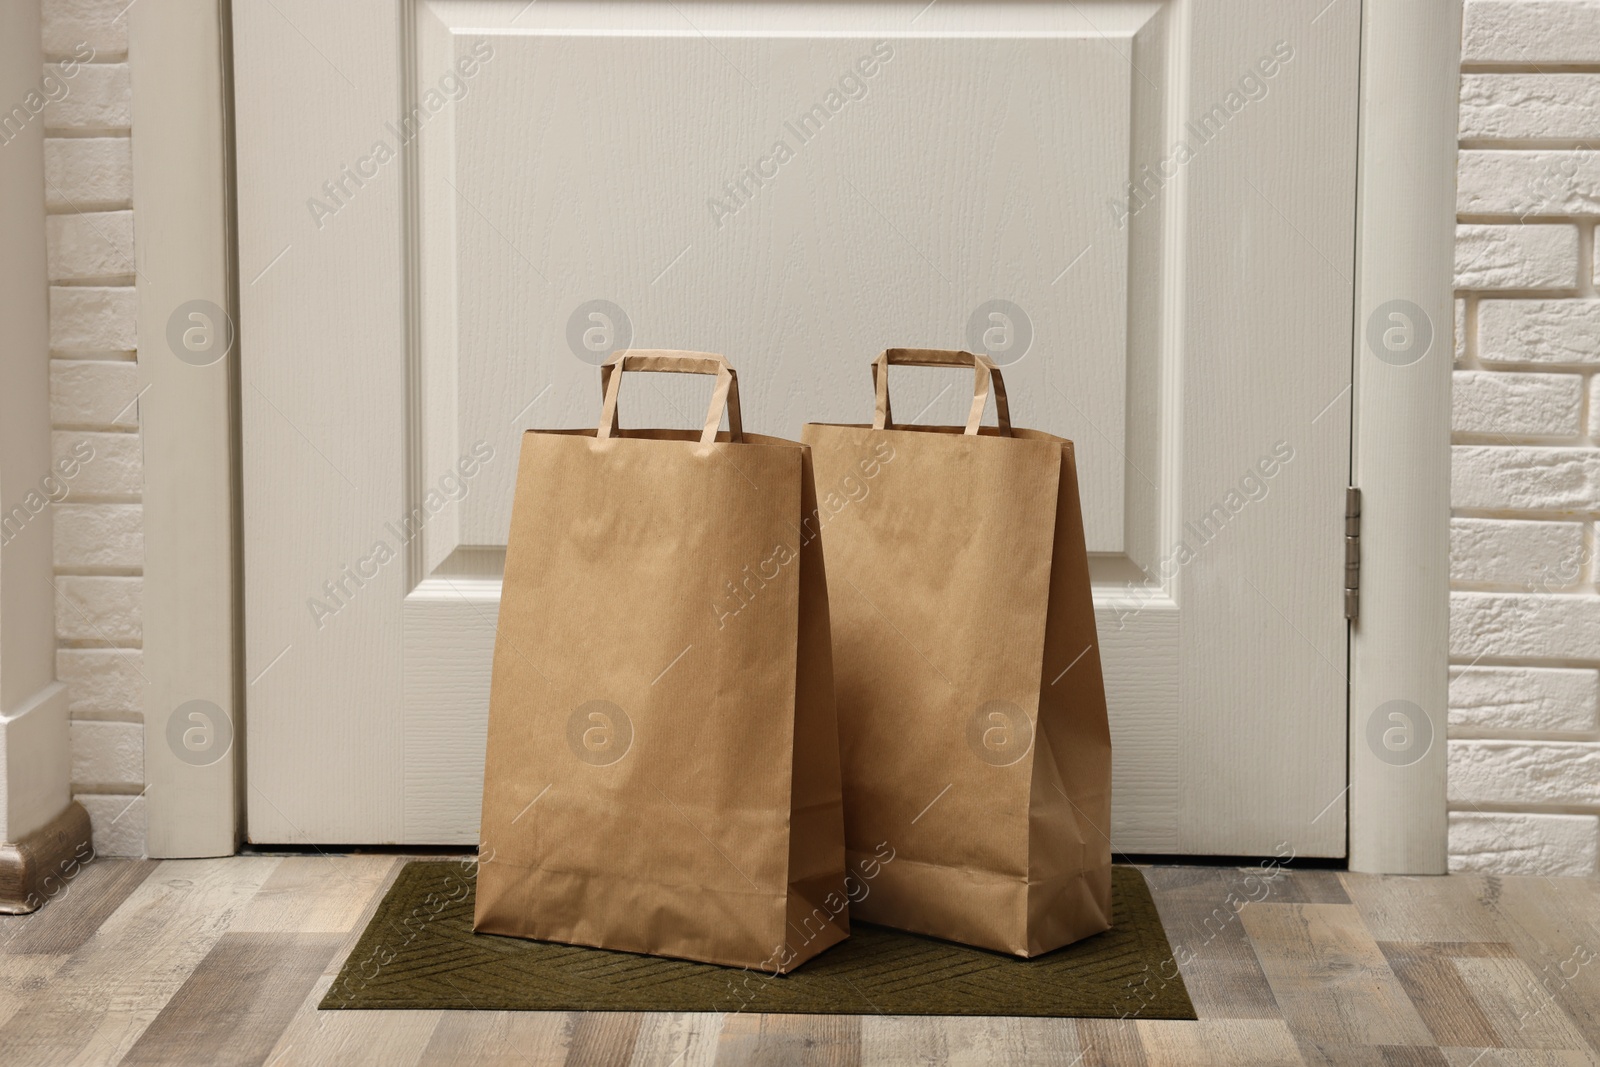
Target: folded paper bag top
pixel 662 770
pixel 972 713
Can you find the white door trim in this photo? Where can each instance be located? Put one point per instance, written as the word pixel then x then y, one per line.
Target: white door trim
pixel 1410 74
pixel 1405 251
pixel 183 246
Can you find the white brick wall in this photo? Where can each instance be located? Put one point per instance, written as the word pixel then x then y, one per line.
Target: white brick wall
pixel 99 535
pixel 1509 107
pixel 117 469
pixel 107 753
pixel 91 246
pixel 103 682
pixel 92 318
pixel 1505 404
pixel 1541 332
pixel 1524 734
pixel 99 100
pixel 102 24
pixel 87 173
pixel 1530 33
pixel 99 542
pixel 1488 553
pixel 1523 844
pixel 1516 257
pixel 85 393
pixel 1534 699
pixel 1546 184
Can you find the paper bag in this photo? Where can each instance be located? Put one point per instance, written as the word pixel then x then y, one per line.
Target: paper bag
pixel 662 771
pixel 971 708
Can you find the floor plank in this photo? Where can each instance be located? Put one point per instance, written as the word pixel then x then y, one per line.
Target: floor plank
pixel 111 987
pixel 1217 1043
pixel 1200 908
pixel 316 894
pixel 1308 887
pixel 1421 908
pixel 1428 975
pixel 238 1001
pixel 1554 924
pixel 603 1038
pixel 1314 1055
pixel 686 1039
pixel 353 1038
pixel 1329 977
pixel 975 1041
pixel 24 979
pixel 780 1040
pixel 78 911
pixel 1523 1014
pixel 1109 1043
pixel 1515 1057
pixel 510 1038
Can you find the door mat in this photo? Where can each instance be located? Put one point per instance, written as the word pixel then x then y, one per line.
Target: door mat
pixel 419 952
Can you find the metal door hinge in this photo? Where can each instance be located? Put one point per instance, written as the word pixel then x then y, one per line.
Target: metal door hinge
pixel 1352 552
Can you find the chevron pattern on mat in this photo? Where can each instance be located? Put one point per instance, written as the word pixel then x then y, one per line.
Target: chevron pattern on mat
pixel 419 952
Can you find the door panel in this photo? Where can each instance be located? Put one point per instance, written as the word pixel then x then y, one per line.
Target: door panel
pixel 437 199
pixel 946 182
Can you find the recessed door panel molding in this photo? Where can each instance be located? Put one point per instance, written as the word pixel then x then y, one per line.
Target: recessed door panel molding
pixel 788 171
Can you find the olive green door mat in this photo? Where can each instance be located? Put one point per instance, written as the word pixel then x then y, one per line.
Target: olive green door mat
pixel 419 952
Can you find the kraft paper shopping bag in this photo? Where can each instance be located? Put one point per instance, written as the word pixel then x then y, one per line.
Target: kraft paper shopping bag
pixel 971 707
pixel 662 770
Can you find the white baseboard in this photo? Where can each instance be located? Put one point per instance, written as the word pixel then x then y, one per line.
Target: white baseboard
pixel 35 763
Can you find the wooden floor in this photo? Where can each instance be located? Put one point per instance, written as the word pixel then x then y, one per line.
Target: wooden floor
pixel 223 962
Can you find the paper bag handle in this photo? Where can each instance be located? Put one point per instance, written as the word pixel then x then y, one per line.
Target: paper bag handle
pixel 726 394
pixel 985 373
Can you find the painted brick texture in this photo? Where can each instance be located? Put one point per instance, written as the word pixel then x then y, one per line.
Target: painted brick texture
pixel 1524 733
pixel 99 537
pixel 1538 699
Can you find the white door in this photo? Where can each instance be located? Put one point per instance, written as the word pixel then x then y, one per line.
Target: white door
pixel 449 211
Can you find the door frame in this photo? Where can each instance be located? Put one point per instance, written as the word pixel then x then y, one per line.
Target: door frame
pixel 1405 232
pixel 178 57
pixel 1400 439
